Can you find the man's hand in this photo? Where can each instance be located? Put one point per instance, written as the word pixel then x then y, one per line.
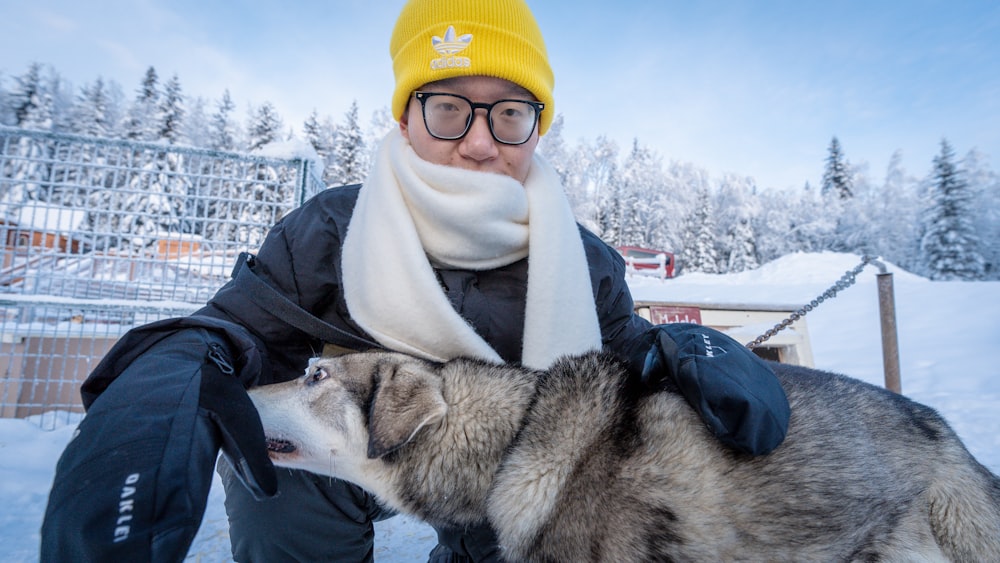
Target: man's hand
pixel 735 392
pixel 133 483
pixel 225 402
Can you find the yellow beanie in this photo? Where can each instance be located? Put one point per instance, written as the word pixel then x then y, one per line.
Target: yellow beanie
pixel 438 39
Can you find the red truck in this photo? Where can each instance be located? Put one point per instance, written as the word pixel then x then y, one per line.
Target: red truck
pixel 648 260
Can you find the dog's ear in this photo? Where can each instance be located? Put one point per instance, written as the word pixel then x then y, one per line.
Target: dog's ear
pixel 407 398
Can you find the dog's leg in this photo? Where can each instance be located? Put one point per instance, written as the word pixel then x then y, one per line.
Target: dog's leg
pixel 964 506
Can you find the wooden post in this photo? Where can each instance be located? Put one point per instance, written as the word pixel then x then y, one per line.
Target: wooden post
pixel 890 344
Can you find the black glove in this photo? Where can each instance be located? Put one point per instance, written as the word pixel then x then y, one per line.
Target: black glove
pixel 133 482
pixel 734 391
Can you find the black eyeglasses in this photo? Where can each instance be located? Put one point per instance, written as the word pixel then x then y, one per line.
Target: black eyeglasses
pixel 449 116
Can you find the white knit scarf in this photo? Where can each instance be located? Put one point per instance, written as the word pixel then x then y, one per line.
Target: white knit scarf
pixel 411 214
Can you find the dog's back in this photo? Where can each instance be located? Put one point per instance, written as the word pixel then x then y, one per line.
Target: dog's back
pixel 906 451
pixel 614 474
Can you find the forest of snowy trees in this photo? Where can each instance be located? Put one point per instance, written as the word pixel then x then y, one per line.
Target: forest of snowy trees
pixel 941 221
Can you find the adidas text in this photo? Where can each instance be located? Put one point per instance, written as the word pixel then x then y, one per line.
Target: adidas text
pixel 450 62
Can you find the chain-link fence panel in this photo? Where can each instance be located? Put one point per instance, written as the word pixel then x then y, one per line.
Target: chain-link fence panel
pixel 98 236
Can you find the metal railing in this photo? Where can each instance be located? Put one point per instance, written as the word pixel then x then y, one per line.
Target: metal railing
pixel 98 236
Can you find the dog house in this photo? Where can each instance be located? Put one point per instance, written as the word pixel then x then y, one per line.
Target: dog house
pixel 39 230
pixel 743 322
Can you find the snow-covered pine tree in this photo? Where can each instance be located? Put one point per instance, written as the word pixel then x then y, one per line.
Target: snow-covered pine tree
pixel 64 98
pixel 95 114
pixel 553 147
pixel 836 177
pixel 950 244
pixel 773 225
pixel 222 130
pixel 816 218
pixel 25 96
pixel 742 246
pixel 349 151
pixel 613 210
pixel 31 101
pixel 6 115
pixel 792 221
pixel 195 124
pixel 140 122
pixel 737 207
pixel 701 254
pixel 322 136
pixel 91 113
pixel 986 185
pixel 571 167
pixel 855 216
pixel 641 176
pixel 312 131
pixel 591 181
pixel 895 209
pixel 672 205
pixel 264 126
pixel 170 112
pixel 26 177
pixel 379 126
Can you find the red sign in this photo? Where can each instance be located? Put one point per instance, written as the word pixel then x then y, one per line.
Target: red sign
pixel 663 314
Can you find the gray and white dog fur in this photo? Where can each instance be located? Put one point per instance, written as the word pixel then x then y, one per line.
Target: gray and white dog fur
pixel 578 463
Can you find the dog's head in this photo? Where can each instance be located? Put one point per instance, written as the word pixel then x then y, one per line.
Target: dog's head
pixel 349 411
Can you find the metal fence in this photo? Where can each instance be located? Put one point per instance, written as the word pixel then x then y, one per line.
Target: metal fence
pixel 98 236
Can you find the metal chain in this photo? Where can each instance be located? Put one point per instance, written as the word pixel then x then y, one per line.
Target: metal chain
pixel 845 281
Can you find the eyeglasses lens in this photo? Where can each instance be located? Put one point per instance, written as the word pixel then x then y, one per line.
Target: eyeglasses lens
pixel 449 117
pixel 512 121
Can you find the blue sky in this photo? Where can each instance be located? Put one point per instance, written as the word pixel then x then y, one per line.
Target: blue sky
pixel 753 88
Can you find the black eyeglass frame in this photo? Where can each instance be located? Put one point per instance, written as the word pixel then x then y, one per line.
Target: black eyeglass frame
pixel 424 96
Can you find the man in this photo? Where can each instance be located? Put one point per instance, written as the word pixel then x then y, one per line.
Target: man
pixel 460 243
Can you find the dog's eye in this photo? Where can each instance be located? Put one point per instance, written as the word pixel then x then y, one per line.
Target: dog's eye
pixel 317 375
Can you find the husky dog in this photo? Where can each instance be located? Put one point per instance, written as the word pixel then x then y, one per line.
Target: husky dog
pixel 579 463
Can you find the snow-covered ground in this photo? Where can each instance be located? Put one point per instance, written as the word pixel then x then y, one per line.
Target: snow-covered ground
pixel 949 352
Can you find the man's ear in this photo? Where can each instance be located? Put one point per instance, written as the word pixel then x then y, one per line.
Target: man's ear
pixel 404 123
pixel 407 398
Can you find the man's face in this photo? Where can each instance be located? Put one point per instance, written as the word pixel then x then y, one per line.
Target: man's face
pixel 477 150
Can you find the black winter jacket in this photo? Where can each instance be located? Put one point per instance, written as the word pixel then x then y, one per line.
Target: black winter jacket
pixel 180 410
pixel 165 397
pixel 301 259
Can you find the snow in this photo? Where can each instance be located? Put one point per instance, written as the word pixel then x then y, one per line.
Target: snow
pixel 292 149
pixel 50 218
pixel 950 360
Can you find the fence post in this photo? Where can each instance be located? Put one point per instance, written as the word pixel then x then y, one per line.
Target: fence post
pixel 890 344
pixel 303 182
